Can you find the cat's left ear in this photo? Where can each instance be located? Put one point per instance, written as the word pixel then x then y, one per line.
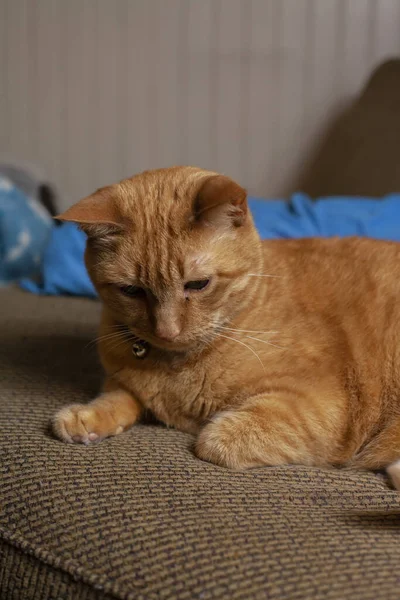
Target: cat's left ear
pixel 98 212
pixel 220 201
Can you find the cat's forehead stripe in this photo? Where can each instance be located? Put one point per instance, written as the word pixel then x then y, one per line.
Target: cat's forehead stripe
pixel 200 259
pixel 195 263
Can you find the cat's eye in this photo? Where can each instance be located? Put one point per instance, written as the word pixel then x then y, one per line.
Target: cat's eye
pixel 133 291
pixel 198 285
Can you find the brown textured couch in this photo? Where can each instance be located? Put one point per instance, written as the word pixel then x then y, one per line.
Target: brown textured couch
pixel 139 517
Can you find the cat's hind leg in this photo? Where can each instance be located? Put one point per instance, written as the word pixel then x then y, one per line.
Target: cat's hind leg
pixel 273 429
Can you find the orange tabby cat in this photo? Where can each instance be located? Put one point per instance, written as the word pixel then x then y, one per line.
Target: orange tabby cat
pixel 272 352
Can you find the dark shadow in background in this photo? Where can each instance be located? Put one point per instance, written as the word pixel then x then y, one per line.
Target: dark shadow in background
pixel 359 155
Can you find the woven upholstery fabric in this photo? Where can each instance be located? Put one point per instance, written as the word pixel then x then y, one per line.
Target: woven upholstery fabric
pixel 139 517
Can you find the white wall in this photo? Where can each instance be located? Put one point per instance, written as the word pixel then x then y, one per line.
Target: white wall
pixel 95 90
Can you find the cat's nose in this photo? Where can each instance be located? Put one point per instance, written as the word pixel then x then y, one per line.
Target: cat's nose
pixel 168 331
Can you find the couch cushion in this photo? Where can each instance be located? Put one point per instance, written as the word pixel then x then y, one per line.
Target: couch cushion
pixel 139 517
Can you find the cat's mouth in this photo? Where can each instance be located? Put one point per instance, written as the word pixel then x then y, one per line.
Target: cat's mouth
pixel 148 340
pixel 173 346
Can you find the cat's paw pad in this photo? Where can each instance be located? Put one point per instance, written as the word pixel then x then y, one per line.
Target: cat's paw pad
pixel 84 424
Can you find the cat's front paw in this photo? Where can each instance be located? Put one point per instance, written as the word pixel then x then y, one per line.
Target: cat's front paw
pixel 224 441
pixel 85 424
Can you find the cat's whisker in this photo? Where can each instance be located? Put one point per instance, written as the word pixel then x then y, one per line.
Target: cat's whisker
pixel 96 340
pixel 120 329
pixel 122 332
pixel 249 337
pixel 233 329
pixel 238 331
pixel 113 335
pixel 108 336
pixel 126 340
pixel 243 344
pixel 101 337
pixel 263 275
pixel 207 343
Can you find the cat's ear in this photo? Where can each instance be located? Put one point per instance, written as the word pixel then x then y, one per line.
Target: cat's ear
pixel 220 201
pixel 95 214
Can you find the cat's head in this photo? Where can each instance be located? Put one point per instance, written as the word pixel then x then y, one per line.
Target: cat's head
pixel 170 252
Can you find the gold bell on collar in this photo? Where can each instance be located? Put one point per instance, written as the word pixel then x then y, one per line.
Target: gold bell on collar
pixel 140 349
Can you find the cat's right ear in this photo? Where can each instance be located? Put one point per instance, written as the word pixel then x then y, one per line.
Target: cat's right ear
pixel 96 214
pixel 221 202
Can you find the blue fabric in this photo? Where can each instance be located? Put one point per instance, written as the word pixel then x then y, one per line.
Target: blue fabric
pixel 25 227
pixel 64 271
pixel 340 216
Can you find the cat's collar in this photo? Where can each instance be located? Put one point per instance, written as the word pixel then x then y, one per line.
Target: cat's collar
pixel 140 349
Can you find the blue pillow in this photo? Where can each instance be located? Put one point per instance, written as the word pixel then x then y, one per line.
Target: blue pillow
pixel 328 217
pixel 64 270
pixel 25 227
